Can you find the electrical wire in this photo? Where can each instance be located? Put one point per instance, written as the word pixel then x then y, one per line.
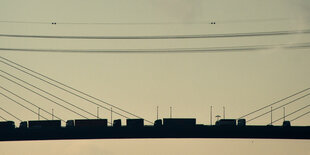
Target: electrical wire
pixel 197 36
pixel 144 23
pixel 169 50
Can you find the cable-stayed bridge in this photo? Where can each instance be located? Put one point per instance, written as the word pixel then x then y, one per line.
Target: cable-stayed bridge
pixel 93 126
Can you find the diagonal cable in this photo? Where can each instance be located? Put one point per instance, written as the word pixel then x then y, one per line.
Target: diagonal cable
pixel 300 116
pixel 30 103
pixel 3 118
pixel 69 88
pixel 47 93
pixel 10 114
pixel 18 104
pixel 61 89
pixel 43 96
pixel 291 113
pixel 280 107
pixel 275 102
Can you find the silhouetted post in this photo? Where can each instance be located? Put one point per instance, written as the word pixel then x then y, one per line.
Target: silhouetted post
pixel 157 113
pixel 111 114
pixel 217 117
pixel 283 113
pixel 211 115
pixel 52 114
pixel 223 112
pixel 39 114
pixel 97 112
pixel 271 116
pixel 170 112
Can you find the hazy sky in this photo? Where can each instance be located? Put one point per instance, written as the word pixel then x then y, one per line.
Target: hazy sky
pixel 138 82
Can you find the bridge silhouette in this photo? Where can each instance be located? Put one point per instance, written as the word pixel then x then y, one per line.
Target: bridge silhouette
pixel 98 128
pixel 63 133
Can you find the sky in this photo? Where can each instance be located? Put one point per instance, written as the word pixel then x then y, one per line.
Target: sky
pixel 240 81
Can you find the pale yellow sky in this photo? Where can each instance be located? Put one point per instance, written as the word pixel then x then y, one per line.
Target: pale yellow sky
pixel 189 82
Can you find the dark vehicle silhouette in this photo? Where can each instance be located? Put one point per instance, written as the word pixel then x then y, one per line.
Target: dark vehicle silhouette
pixel 117 123
pixel 7 125
pixel 44 124
pixel 179 122
pixel 87 123
pixel 135 123
pixel 226 122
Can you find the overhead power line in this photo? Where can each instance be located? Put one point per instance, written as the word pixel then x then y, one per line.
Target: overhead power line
pixel 291 113
pixel 23 22
pixel 195 36
pixel 168 50
pixel 144 23
pixel 283 99
pixel 69 88
pixel 280 107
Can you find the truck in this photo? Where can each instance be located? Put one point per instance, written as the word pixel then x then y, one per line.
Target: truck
pixel 7 125
pixel 90 123
pixel 44 124
pixel 135 123
pixel 286 124
pixel 158 123
pixel 23 125
pixel 226 122
pixel 117 123
pixel 179 122
pixel 241 122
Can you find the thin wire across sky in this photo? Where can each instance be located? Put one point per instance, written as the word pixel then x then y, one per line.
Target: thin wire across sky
pixel 148 23
pixel 169 50
pixel 194 36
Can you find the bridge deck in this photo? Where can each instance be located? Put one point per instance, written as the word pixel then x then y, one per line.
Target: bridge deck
pixel 266 132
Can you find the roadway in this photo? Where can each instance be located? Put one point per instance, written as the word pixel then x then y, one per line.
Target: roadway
pixel 199 131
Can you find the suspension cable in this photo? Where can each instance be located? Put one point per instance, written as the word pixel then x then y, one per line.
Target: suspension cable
pixel 274 103
pixel 61 89
pixel 43 96
pixel 69 88
pixel 10 114
pixel 30 103
pixel 279 107
pixel 300 116
pixel 3 118
pixel 22 105
pixel 47 93
pixel 291 113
